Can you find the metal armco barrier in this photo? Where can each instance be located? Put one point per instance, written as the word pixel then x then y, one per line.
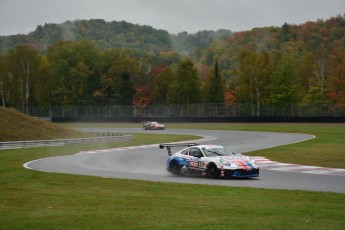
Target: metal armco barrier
pixel 60 142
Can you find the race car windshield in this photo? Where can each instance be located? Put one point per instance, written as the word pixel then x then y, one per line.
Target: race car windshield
pixel 217 152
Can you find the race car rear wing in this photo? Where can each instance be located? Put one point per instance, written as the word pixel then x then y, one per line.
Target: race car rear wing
pixel 169 146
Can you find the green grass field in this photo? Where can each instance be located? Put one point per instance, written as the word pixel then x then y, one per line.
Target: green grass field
pixel 39 200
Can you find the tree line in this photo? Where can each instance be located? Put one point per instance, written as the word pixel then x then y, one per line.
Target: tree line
pixel 77 73
pixel 284 66
pixel 292 64
pixel 114 34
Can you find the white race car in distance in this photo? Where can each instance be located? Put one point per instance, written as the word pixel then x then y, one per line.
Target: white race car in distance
pixel 209 160
pixel 152 125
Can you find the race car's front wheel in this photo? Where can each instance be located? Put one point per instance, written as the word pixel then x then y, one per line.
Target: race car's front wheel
pixel 212 171
pixel 174 168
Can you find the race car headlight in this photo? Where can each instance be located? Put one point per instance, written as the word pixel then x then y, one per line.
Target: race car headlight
pixel 224 162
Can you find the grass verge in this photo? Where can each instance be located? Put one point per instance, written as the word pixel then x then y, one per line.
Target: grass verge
pixel 38 200
pixel 16 126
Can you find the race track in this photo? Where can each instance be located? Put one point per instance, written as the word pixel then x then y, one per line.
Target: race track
pixel 148 162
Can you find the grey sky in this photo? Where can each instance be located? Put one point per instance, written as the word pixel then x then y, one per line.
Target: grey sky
pixel 22 16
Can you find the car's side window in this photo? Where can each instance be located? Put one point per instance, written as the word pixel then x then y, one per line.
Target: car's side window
pixel 195 152
pixel 185 152
pixel 191 152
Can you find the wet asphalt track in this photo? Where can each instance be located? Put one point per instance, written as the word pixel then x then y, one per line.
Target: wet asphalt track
pixel 148 162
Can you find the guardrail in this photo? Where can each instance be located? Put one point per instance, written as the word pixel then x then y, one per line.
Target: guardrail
pixel 105 137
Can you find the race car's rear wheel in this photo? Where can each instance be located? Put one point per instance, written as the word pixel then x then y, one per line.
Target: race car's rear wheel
pixel 174 168
pixel 212 171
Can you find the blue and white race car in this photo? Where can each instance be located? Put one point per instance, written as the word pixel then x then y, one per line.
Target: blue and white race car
pixel 209 160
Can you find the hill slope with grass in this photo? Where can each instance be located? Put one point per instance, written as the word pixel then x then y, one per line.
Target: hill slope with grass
pixel 15 126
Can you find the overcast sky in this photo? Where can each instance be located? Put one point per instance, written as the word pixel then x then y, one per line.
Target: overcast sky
pixel 23 16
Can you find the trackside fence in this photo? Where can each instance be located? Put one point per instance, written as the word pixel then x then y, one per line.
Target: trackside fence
pixel 105 138
pixel 190 110
pixel 206 112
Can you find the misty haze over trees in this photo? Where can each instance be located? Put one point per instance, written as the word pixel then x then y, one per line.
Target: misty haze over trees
pixel 94 63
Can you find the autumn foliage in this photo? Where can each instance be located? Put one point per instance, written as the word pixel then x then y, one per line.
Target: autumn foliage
pixel 277 66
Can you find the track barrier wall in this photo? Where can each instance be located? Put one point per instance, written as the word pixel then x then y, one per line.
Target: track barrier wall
pixel 192 113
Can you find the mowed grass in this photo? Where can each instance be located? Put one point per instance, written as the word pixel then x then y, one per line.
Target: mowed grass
pixel 326 150
pixel 15 126
pixel 39 200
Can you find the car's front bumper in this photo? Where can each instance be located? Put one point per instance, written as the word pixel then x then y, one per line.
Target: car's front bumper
pixel 239 173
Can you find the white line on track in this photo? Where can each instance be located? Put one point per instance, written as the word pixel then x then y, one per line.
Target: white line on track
pixel 267 164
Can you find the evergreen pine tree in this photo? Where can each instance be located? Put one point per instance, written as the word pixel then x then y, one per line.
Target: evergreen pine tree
pixel 214 86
